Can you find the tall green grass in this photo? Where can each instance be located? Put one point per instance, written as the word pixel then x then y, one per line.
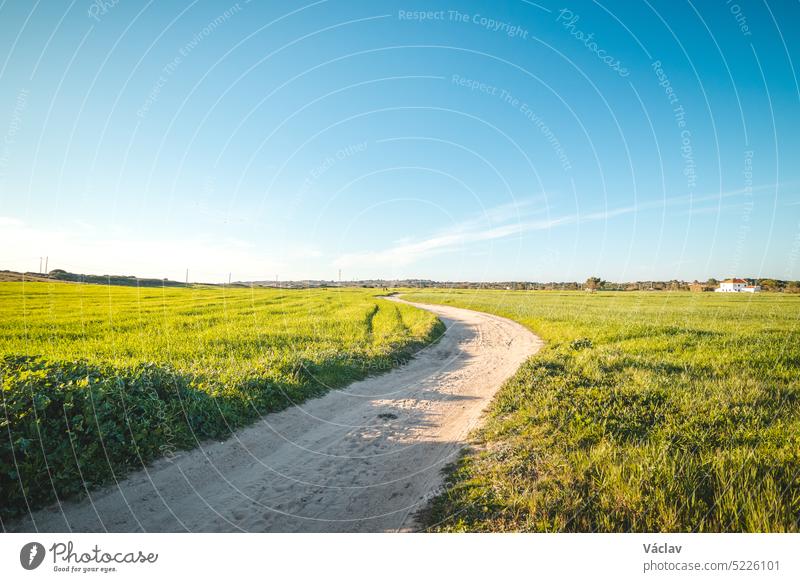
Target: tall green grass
pixel 97 381
pixel 644 412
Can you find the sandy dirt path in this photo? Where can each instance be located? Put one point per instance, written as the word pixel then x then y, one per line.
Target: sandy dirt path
pixel 361 459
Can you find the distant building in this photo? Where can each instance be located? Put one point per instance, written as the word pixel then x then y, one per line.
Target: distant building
pixel 736 286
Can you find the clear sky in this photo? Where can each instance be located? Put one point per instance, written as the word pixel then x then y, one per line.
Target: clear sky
pixel 444 140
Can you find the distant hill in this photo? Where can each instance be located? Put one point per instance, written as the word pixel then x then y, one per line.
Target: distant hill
pixel 67 277
pixel 14 276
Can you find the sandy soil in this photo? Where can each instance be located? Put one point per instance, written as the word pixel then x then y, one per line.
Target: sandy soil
pixel 362 459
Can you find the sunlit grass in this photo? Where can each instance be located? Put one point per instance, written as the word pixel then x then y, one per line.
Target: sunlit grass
pixel 644 412
pixel 97 380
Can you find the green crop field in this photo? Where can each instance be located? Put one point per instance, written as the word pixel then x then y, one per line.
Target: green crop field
pixel 97 381
pixel 644 412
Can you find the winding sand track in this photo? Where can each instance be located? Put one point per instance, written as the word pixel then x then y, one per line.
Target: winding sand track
pixel 361 459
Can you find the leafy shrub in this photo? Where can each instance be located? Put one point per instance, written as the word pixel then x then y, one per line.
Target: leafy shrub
pixel 581 343
pixel 73 426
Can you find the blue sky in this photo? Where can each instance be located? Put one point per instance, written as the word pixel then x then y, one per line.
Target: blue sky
pixel 444 140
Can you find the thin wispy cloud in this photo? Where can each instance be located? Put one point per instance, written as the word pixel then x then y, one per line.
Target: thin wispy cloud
pixel 494 223
pixel 518 222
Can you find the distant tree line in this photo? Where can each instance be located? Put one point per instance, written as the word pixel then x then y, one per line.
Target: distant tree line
pixel 125 280
pixel 593 283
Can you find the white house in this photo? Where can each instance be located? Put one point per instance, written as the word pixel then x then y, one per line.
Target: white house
pixel 736 286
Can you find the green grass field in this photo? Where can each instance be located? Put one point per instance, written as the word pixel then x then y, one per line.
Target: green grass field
pixel 644 412
pixel 97 381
